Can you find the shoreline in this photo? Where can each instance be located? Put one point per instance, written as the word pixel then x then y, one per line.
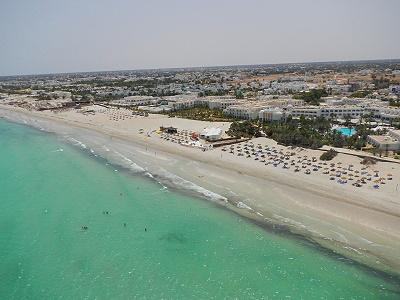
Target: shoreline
pixel 356 226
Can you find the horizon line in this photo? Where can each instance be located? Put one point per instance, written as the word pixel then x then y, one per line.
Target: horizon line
pixel 204 67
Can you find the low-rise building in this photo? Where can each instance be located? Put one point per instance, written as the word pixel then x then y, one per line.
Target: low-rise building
pixel 271 114
pixel 389 142
pixel 221 103
pixel 327 111
pixel 247 111
pixel 135 101
pixel 211 134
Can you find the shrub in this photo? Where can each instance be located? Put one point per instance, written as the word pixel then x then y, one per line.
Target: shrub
pixel 328 155
pixel 368 161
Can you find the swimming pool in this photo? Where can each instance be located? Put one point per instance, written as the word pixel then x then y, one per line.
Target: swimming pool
pixel 346 131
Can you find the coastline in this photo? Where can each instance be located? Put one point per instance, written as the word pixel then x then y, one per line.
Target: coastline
pixel 362 225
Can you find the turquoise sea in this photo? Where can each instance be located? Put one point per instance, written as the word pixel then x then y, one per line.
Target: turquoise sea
pixel 73 226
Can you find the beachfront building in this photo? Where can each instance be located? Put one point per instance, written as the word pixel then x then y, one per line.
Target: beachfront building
pixel 271 114
pixel 246 111
pixel 327 111
pixel 250 110
pixel 135 101
pixel 383 113
pixel 220 103
pixel 182 101
pixel 211 134
pixel 342 111
pixel 281 102
pixel 389 142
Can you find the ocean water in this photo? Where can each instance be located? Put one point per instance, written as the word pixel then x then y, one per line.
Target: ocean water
pixel 142 240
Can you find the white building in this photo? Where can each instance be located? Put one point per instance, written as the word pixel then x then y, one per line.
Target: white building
pixel 327 111
pixel 384 113
pixel 243 111
pixel 389 142
pixel 250 110
pixel 135 101
pixel 181 101
pixel 271 114
pixel 211 134
pixel 339 88
pixel 221 103
pixel 287 87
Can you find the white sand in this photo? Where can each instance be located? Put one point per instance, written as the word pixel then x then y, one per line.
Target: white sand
pixel 362 223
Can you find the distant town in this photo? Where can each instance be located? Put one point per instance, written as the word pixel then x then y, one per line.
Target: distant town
pixel 353 105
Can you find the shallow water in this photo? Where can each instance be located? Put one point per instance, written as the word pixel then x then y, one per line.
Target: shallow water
pixel 142 240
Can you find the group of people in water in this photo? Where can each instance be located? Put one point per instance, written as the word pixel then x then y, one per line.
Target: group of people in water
pixel 106 212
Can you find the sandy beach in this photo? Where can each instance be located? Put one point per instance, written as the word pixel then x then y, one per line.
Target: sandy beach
pixel 359 222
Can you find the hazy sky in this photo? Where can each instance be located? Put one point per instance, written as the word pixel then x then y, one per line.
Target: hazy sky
pixel 47 36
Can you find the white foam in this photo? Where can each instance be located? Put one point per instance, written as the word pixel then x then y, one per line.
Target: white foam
pixel 132 166
pixel 240 204
pixel 78 143
pixel 175 180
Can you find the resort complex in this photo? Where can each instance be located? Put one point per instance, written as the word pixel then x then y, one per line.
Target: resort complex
pixel 362 96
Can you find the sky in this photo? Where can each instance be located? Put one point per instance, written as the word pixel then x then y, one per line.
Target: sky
pixel 53 36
